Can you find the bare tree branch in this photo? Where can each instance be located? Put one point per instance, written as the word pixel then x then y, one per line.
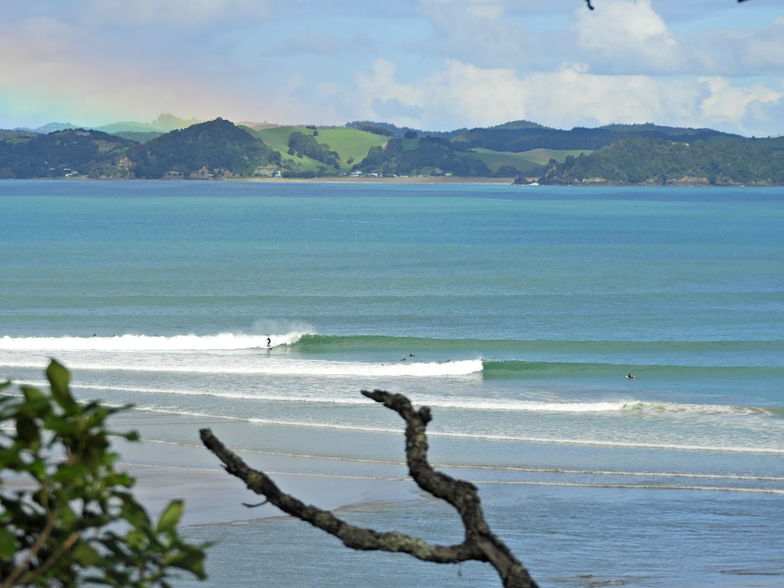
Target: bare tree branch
pixel 479 544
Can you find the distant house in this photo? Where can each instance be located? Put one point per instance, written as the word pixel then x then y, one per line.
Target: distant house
pixel 267 171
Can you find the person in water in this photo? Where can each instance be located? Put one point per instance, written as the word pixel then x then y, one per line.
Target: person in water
pixel 269 342
pixel 630 376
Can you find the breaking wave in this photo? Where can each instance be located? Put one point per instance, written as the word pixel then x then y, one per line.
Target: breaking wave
pixel 136 343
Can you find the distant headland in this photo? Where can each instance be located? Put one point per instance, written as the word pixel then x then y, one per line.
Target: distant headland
pixel 521 151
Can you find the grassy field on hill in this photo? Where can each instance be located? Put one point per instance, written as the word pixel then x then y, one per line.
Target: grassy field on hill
pixel 543 156
pixel 351 144
pixel 523 161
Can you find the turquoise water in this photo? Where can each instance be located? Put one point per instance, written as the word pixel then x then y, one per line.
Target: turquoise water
pixel 514 312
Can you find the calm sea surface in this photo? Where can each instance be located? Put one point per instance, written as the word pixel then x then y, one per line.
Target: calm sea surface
pixel 516 313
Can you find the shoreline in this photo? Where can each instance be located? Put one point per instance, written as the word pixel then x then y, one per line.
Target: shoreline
pixel 406 180
pixel 397 180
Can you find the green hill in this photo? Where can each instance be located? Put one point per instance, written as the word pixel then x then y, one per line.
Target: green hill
pixel 139 136
pixel 422 156
pixel 656 161
pixel 618 154
pixel 350 145
pixel 509 164
pixel 212 149
pixel 68 153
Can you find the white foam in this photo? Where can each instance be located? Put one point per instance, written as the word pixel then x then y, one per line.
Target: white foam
pixel 136 343
pixel 488 437
pixel 495 468
pixel 203 364
pixel 462 403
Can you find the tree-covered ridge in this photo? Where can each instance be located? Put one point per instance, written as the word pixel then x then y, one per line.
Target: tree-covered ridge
pixel 654 161
pixel 216 148
pixel 64 153
pixel 628 154
pixel 425 156
pixel 522 136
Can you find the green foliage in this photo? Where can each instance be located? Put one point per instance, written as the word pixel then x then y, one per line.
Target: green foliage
pixel 426 156
pixel 510 164
pixel 306 145
pixel 652 161
pixel 220 149
pixel 67 517
pixel 376 129
pixel 139 136
pixel 524 136
pixel 212 149
pixel 350 145
pixel 64 153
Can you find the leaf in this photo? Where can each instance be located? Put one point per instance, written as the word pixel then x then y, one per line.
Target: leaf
pixel 71 474
pixel 86 555
pixel 129 436
pixel 170 516
pixel 59 379
pixel 119 479
pixel 27 430
pixel 133 512
pixel 191 560
pixel 32 394
pixel 136 540
pixel 8 544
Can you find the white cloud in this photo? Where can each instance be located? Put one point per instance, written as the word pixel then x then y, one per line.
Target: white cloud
pixel 479 31
pixel 731 105
pixel 765 50
pixel 571 97
pixel 629 34
pixel 380 86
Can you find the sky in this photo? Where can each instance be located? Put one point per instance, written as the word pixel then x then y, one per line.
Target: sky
pixel 428 64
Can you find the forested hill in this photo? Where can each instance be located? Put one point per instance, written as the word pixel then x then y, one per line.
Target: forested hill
pixel 64 154
pixel 651 161
pixel 619 154
pixel 213 149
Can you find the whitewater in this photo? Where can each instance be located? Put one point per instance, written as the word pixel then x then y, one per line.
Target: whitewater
pixel 263 310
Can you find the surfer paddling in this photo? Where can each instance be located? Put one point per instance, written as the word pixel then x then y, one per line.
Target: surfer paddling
pixel 630 376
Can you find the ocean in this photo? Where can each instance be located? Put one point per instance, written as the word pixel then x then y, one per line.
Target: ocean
pixel 515 312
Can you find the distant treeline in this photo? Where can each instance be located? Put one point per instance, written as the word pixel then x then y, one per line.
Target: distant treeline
pixel 655 161
pixel 622 154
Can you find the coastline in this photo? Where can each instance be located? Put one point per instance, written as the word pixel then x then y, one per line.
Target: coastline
pixel 407 180
pixel 380 180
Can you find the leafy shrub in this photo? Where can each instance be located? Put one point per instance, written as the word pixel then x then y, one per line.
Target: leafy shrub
pixel 67 516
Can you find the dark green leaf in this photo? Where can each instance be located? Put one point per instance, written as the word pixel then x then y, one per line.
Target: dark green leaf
pixel 170 516
pixel 8 544
pixel 27 430
pixel 32 393
pixel 85 554
pixel 191 560
pixel 59 379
